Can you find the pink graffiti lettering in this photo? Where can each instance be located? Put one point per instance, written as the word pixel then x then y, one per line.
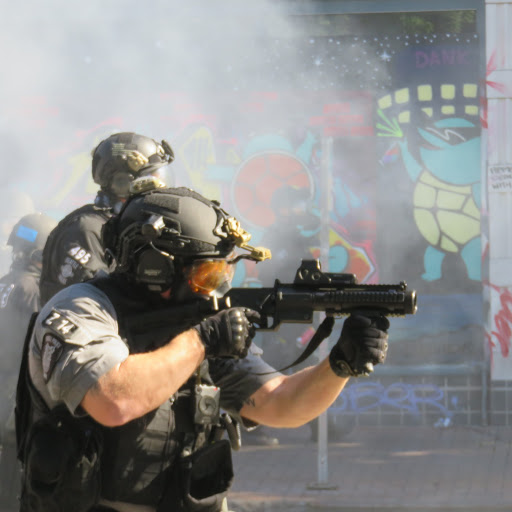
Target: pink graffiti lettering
pixel 502 321
pixel 443 58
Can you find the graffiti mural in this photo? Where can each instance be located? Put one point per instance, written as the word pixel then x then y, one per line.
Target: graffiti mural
pixel 441 154
pixel 386 126
pixel 412 399
pixel 499 338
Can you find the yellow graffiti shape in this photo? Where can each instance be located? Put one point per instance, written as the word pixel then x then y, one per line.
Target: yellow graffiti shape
pixel 427 226
pixel 470 90
pixel 425 92
pixel 460 227
pixel 232 157
pixel 471 209
pixel 424 196
pixel 402 96
pixel 448 245
pixel 80 164
pixel 197 153
pixel 448 91
pixel 446 215
pixel 450 200
pixel 448 110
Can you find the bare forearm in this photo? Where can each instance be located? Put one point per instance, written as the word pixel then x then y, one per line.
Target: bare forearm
pixel 143 382
pixel 292 401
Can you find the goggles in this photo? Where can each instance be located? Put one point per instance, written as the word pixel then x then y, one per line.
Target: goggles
pixel 208 275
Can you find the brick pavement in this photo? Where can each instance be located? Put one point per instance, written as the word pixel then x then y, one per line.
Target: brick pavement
pixel 379 468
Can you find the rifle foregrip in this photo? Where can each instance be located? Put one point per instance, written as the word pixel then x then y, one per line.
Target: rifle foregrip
pixel 391 302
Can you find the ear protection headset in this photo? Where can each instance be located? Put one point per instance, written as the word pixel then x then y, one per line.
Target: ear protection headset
pixel 36 256
pixel 154 267
pixel 120 184
pixel 159 234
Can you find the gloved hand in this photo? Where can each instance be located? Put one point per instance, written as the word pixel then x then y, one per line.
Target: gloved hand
pixel 363 343
pixel 228 333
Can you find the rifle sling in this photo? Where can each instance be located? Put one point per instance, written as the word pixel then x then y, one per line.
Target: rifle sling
pixel 324 331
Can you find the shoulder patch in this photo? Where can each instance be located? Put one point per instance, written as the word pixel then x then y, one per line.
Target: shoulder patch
pixel 79 254
pixel 51 351
pixel 59 323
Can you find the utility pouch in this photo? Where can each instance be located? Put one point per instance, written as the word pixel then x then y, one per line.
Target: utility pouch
pixel 200 481
pixel 62 465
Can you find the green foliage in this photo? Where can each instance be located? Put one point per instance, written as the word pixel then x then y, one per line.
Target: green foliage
pixel 415 24
pixel 454 22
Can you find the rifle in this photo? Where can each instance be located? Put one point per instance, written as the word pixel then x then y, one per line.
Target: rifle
pixel 312 290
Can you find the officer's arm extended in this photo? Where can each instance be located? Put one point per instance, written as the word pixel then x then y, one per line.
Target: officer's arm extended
pixel 292 401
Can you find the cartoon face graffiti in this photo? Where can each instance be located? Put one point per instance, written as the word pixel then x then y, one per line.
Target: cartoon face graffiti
pixel 441 153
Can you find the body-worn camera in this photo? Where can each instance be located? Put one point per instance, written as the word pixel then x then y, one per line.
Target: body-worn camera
pixel 207 405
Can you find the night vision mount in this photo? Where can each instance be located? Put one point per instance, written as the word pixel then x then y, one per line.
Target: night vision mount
pixel 232 230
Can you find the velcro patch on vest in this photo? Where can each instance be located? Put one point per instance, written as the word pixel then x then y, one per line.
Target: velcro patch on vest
pixel 51 351
pixel 79 254
pixel 59 323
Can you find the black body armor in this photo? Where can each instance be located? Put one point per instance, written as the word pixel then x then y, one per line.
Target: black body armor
pixel 19 298
pixel 73 252
pixel 142 461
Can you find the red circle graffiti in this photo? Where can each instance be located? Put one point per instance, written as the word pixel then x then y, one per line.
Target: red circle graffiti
pixel 259 177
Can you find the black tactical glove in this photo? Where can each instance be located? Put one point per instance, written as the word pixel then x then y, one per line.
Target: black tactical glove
pixel 363 343
pixel 228 333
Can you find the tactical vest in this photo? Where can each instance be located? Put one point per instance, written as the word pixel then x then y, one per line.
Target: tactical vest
pixel 138 455
pixel 163 459
pixel 49 284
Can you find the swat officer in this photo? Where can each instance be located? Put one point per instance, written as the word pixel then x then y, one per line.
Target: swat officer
pixel 74 253
pixel 15 204
pixel 19 298
pixel 133 381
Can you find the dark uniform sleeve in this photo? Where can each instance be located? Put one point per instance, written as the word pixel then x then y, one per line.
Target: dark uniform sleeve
pixel 73 254
pixel 238 379
pixel 18 300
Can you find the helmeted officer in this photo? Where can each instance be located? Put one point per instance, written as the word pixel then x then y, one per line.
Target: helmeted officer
pixel 74 253
pixel 135 374
pixel 19 298
pixel 15 204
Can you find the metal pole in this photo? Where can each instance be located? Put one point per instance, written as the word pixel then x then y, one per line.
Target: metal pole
pixel 326 205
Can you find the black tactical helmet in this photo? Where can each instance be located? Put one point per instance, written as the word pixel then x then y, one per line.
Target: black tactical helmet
pixel 29 235
pixel 122 157
pixel 168 227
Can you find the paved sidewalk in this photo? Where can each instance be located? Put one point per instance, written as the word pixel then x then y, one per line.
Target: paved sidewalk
pixel 379 468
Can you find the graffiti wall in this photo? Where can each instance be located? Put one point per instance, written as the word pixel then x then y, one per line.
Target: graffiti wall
pixel 498 174
pixel 401 113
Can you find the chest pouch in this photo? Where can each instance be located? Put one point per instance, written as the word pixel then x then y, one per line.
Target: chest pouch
pixel 200 481
pixel 62 464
